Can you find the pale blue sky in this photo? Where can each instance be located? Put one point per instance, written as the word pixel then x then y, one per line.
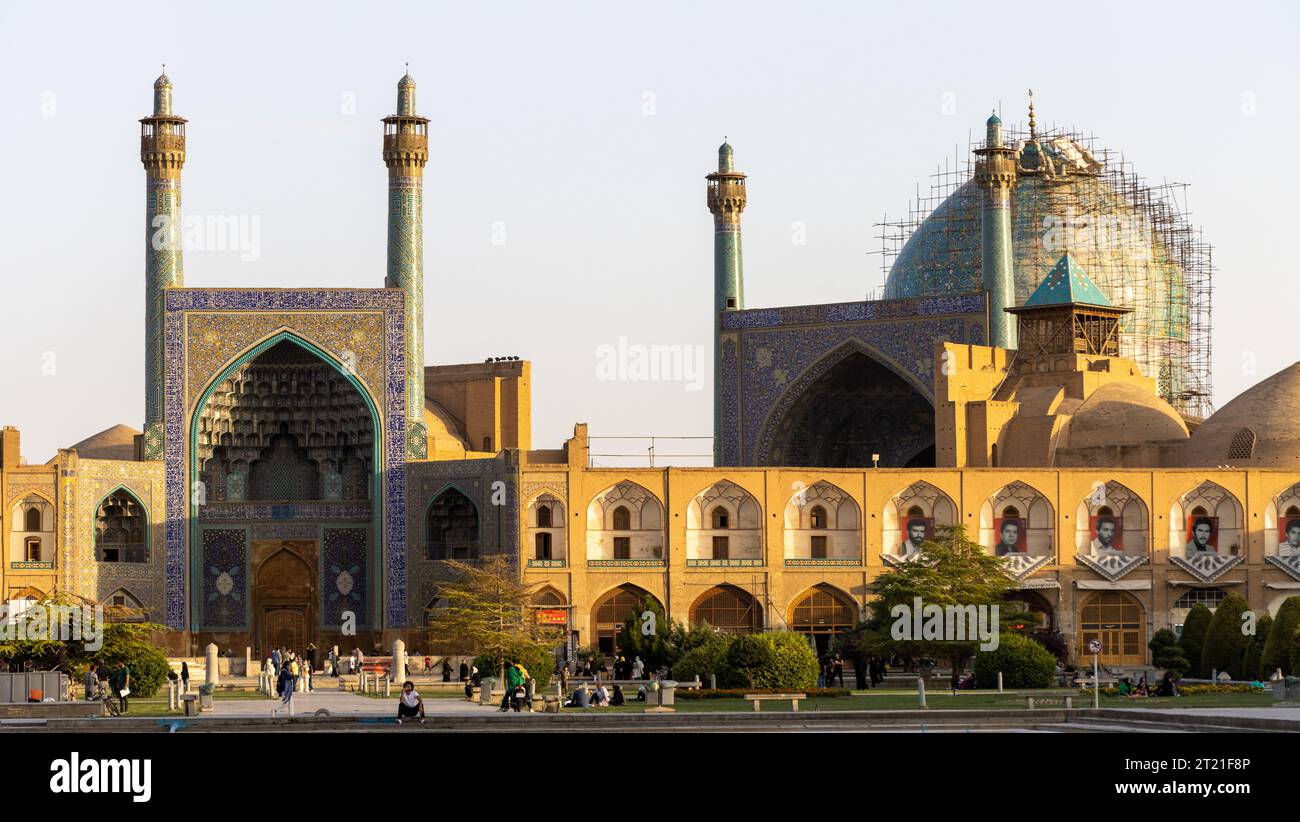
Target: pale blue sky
pixel 586 130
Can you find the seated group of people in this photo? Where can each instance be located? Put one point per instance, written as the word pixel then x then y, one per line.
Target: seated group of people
pixel 601 697
pixel 1167 687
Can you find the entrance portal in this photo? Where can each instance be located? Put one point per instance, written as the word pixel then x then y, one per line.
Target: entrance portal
pixel 284 595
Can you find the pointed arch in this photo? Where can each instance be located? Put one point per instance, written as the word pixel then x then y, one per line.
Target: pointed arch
pixel 728 608
pixel 609 611
pixel 821 613
pixel 122 527
pixel 1282 523
pixel 625 523
pixel 1029 510
pixel 724 526
pixel 1111 520
pixel 1206 504
pixel 822 523
pixel 546 530
pixel 451 524
pixel 921 503
pixel 797 430
pixel 190 461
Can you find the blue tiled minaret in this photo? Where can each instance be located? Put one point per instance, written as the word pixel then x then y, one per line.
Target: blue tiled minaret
pixel 162 151
pixel 726 199
pixel 995 174
pixel 406 150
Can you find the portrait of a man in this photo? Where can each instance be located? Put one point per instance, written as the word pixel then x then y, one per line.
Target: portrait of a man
pixel 1289 544
pixel 1202 535
pixel 919 529
pixel 1011 537
pixel 1107 538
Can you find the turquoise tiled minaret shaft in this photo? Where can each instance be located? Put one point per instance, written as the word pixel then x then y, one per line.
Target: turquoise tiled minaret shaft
pixel 162 151
pixel 406 151
pixel 995 174
pixel 726 200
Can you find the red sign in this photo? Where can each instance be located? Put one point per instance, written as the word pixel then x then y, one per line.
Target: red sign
pixel 552 616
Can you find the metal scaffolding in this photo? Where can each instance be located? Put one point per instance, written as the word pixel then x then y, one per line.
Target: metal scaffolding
pixel 1135 236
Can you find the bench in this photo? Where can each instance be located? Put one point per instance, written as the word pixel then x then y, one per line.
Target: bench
pixel 1054 699
pixel 793 699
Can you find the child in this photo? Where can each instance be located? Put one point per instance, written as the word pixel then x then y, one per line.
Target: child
pixel 409 705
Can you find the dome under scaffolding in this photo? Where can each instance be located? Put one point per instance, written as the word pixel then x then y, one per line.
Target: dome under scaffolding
pixel 1132 237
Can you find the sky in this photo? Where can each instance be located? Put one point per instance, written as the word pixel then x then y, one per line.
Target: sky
pixel 565 217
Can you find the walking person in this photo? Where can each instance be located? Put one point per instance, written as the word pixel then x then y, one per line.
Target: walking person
pixel 446 670
pixel 311 656
pixel 122 685
pixel 285 683
pixel 185 677
pixel 464 671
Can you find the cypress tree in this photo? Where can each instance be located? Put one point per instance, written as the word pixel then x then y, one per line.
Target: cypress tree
pixel 1193 638
pixel 1225 644
pixel 1277 648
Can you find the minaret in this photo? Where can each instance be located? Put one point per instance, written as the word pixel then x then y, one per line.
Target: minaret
pixel 995 174
pixel 406 150
pixel 726 199
pixel 162 150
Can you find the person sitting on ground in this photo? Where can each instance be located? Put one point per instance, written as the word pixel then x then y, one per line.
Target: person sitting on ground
pixel 1125 688
pixel 1142 688
pixel 409 704
pixel 640 693
pixel 580 698
pixel 602 696
pixel 616 698
pixel 1167 686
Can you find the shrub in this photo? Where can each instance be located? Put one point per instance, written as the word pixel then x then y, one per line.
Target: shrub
pixel 1225 644
pixel 1167 654
pixel 1295 653
pixel 745 660
pixel 1023 662
pixel 1251 662
pixel 702 660
pixel 1277 648
pixel 130 643
pixel 793 665
pixel 1193 638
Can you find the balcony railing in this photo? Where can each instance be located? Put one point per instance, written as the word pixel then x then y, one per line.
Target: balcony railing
pixel 545 563
pixel 32 566
pixel 823 562
pixel 747 562
pixel 652 562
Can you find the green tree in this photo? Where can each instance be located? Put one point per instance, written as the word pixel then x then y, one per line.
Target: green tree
pixel 1277 648
pixel 132 642
pixel 485 609
pixel 1253 659
pixel 1167 654
pixel 1225 644
pixel 1193 638
pixel 651 639
pixel 747 657
pixel 951 570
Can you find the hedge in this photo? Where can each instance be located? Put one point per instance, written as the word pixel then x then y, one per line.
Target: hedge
pixel 739 693
pixel 1277 648
pixel 1023 663
pixel 1192 640
pixel 1225 644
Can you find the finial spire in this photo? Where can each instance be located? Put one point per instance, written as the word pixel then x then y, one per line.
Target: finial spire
pixel 1033 130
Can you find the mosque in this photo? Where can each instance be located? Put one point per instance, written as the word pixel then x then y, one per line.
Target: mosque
pixel 301 474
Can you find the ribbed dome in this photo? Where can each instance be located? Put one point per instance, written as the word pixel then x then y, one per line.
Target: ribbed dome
pixel 1260 427
pixel 1122 413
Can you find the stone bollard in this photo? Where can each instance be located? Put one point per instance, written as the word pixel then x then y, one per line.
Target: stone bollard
pixel 248 661
pixel 172 696
pixel 920 689
pixel 388 684
pixel 485 690
pixel 398 673
pixel 666 689
pixel 212 675
pixel 713 682
pixel 999 682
